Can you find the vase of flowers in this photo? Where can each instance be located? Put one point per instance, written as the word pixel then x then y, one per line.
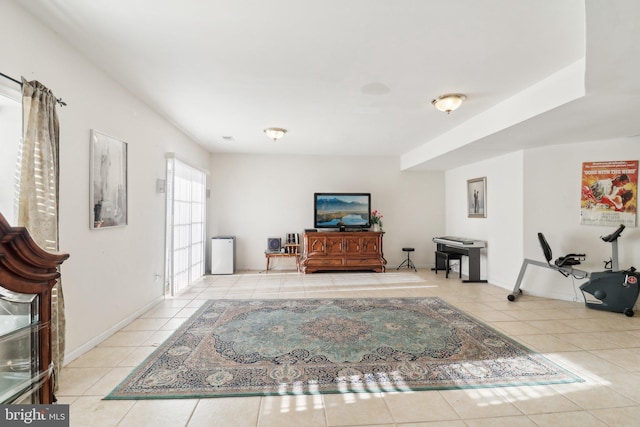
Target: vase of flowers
pixel 376 220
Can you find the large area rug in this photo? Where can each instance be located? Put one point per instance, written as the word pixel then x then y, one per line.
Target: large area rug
pixel 266 347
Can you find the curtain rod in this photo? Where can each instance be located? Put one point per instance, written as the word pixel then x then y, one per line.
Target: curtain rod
pixel 59 100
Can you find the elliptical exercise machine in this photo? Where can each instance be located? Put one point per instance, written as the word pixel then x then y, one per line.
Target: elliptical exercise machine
pixel 610 290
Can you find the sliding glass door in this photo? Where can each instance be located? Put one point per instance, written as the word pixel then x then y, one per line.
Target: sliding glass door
pixel 186 189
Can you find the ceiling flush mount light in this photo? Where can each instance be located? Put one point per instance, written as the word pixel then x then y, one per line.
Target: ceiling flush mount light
pixel 448 102
pixel 275 133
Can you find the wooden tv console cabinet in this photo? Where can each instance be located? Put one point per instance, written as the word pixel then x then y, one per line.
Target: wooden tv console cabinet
pixel 348 250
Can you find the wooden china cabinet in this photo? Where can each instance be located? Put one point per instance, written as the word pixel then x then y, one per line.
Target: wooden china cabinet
pixel 27 276
pixel 357 250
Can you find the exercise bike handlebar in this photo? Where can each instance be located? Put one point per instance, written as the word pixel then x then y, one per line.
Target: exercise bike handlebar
pixel 613 236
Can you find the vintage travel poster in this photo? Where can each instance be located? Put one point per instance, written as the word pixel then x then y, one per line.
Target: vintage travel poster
pixel 609 193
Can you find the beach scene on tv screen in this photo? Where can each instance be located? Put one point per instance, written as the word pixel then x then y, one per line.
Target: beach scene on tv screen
pixel 334 210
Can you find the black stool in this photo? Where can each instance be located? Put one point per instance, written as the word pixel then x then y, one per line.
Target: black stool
pixel 407 261
pixel 447 256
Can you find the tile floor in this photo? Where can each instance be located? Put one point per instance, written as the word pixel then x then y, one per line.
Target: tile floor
pixel 603 348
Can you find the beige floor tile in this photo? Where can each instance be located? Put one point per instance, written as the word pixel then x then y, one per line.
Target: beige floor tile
pixel 76 381
pixel 623 339
pixel 292 411
pixel 479 403
pixel 567 419
pixel 552 326
pixel 157 338
pixel 137 356
pixel 618 322
pixel 377 425
pixel 179 301
pixel 127 339
pixel 211 294
pixel 634 331
pixel 588 325
pixel 107 383
pixel 516 328
pixel 161 312
pixel 94 412
pixel 545 343
pixel 596 397
pixel 493 316
pixel 588 340
pixel 435 424
pixel 231 411
pixel 102 357
pixel 187 312
pixel 537 399
pixel 159 413
pixel 584 363
pixel 419 406
pixel 625 383
pixel 619 417
pixel 356 409
pixel 537 315
pixel 521 421
pixel 626 358
pixel 197 302
pixel 67 400
pixel 145 325
pixel 173 324
pixel 468 306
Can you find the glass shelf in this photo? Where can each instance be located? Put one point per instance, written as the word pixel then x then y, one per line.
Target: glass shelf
pixel 19 331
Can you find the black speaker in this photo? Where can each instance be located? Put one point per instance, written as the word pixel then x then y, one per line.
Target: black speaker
pixel 274 244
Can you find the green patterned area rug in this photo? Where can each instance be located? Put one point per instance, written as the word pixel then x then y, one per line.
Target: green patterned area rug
pixel 303 346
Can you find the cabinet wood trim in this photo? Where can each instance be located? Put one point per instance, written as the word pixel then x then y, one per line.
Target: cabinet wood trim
pixel 28 269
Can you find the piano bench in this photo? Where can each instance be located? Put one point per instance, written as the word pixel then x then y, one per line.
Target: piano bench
pixel 446 257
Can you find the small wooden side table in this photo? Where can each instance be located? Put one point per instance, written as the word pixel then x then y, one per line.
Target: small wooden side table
pixel 295 255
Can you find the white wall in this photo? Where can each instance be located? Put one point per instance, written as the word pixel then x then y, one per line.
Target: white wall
pixel 552 187
pixel 257 197
pixel 111 274
pixel 502 228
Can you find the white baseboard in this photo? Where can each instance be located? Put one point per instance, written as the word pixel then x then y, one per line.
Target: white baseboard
pixel 71 356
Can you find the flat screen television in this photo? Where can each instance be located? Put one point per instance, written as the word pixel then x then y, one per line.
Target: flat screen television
pixel 337 210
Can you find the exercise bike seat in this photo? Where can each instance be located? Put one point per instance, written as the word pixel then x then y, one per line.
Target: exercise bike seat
pixel 563 261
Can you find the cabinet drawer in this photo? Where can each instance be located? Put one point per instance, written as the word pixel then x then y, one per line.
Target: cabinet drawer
pixel 324 262
pixel 362 261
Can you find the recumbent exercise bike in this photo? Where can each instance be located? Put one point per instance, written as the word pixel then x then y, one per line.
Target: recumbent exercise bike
pixel 610 290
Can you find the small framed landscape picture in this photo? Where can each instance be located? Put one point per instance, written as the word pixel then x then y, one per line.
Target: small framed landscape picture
pixel 108 186
pixel 477 197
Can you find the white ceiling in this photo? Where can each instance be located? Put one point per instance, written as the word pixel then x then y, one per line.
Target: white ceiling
pixel 355 77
